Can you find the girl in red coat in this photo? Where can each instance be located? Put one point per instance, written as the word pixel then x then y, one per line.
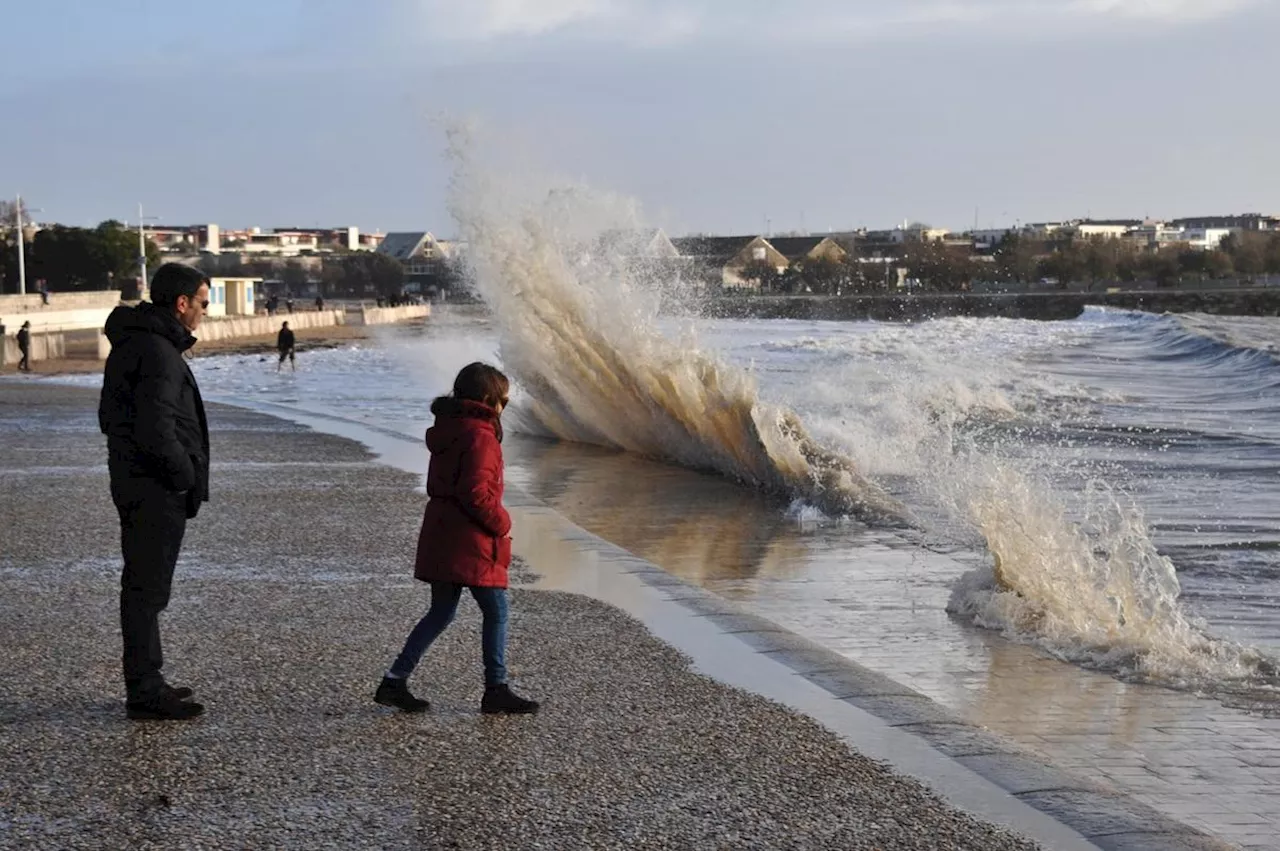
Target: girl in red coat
pixel 465 539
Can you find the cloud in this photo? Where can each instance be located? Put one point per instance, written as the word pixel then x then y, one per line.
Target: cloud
pixel 665 21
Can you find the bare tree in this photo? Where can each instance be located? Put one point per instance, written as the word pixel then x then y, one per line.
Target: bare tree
pixel 8 212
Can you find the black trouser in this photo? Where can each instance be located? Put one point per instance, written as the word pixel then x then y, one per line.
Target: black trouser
pixel 25 363
pixel 152 522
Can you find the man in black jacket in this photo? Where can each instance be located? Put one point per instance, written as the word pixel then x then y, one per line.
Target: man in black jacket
pixel 158 457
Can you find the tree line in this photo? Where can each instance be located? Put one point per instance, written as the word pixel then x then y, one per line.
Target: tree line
pixel 67 259
pixel 1021 260
pixel 1097 259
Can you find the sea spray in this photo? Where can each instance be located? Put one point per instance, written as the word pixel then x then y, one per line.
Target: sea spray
pixel 578 331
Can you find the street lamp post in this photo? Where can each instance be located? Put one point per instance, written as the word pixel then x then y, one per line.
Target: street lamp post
pixel 142 247
pixel 22 249
pixel 22 246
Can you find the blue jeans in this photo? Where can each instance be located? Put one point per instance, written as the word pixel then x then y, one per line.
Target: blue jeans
pixel 444 605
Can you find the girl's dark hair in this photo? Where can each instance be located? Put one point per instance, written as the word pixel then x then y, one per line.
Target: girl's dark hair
pixel 482 383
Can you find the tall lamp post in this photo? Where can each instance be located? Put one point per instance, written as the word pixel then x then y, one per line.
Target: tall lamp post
pixel 142 248
pixel 22 246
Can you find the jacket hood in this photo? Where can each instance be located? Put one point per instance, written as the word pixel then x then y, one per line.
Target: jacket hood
pixel 457 418
pixel 146 318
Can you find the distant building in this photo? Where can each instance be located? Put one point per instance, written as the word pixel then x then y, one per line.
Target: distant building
pixel 1160 235
pixel 1105 228
pixel 232 296
pixel 648 243
pixel 985 239
pixel 907 232
pixel 1233 224
pixel 1046 229
pixel 800 248
pixel 727 260
pixel 184 240
pixel 423 256
pixel 294 242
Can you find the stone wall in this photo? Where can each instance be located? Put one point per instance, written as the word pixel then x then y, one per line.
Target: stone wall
pixel 32 303
pixel 387 315
pixel 43 347
pixel 51 321
pixel 1045 306
pixel 219 328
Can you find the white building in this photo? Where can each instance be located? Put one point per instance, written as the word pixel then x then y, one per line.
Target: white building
pixel 1105 228
pixel 1159 235
pixel 232 296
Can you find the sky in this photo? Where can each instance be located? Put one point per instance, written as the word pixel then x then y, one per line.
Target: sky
pixel 724 116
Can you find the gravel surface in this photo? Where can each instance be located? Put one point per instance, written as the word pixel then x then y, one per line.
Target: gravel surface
pixel 292 596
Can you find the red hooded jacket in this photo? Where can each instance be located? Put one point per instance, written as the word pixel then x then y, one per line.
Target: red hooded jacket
pixel 465 529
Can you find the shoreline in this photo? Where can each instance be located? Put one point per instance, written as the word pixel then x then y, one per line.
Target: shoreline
pixel 282 621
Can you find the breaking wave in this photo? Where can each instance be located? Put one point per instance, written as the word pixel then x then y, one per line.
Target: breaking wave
pixel 1074 571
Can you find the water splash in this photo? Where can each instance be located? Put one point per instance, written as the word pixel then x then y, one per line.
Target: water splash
pixel 1092 590
pixel 579 334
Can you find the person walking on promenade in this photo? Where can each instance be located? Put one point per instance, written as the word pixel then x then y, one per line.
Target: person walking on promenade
pixel 319 304
pixel 158 459
pixel 465 538
pixel 284 345
pixel 24 346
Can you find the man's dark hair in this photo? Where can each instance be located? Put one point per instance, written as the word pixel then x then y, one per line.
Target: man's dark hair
pixel 174 279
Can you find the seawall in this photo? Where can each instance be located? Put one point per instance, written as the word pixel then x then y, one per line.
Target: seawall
pixel 1043 306
pixel 43 347
pixel 256 326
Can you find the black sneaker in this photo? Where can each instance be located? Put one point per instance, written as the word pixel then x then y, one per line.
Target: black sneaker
pixel 162 707
pixel 180 692
pixel 501 700
pixel 394 691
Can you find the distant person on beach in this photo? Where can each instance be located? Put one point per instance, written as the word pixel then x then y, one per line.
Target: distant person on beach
pixel 465 538
pixel 158 458
pixel 319 303
pixel 24 346
pixel 288 304
pixel 284 345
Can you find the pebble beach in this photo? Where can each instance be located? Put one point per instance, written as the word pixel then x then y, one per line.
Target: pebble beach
pixel 292 595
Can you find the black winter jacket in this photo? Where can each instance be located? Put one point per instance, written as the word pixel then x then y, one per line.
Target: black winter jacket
pixel 151 411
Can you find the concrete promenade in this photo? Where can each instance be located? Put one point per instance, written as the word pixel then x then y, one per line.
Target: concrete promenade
pixel 291 596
